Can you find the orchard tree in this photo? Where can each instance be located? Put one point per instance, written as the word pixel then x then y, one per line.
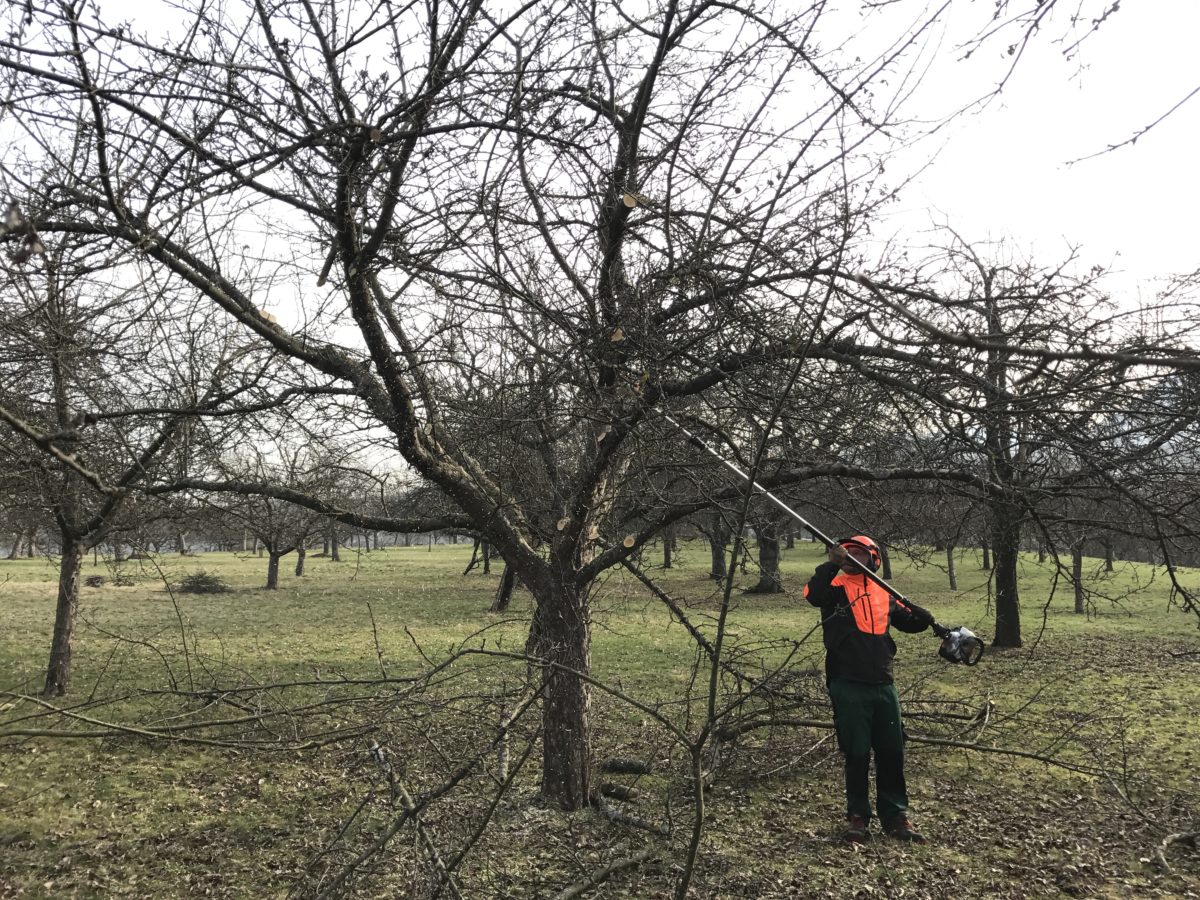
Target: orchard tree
pixel 100 378
pixel 580 214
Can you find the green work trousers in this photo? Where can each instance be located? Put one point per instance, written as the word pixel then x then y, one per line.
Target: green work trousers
pixel 867 717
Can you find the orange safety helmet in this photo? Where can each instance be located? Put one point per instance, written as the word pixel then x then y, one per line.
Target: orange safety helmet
pixel 866 543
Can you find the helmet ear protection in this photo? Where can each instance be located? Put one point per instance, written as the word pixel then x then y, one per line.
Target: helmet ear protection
pixel 865 543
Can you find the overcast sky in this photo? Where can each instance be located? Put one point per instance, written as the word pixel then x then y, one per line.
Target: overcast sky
pixel 1004 172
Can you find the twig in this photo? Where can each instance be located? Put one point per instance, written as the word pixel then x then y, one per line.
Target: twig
pixel 375 638
pixel 579 888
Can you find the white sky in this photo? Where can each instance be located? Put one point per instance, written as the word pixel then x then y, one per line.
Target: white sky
pixel 1004 173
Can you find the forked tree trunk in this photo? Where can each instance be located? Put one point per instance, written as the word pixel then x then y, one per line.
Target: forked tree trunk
pixel 1077 576
pixel 950 567
pixel 58 673
pixel 300 554
pixel 1006 544
pixel 560 636
pixel 273 571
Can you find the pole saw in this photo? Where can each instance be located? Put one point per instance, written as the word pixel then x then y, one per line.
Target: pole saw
pixel 959 644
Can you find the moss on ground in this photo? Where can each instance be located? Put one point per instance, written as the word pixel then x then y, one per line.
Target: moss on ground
pixel 1111 692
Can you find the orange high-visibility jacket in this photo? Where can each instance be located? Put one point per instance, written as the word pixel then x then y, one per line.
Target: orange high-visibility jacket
pixel 855 615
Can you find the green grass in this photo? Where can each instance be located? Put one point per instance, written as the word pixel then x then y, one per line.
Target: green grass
pixel 125 816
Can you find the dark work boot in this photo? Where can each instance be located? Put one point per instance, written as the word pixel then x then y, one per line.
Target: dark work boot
pixel 857 830
pixel 903 830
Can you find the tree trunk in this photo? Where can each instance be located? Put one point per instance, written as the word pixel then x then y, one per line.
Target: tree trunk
pixel 886 574
pixel 58 673
pixel 1108 556
pixel 717 538
pixel 1041 553
pixel 560 636
pixel 770 579
pixel 181 544
pixel 273 571
pixel 1077 576
pixel 668 539
pixel 1006 544
pixel 791 540
pixel 504 591
pixel 300 554
pixel 334 543
pixel 16 546
pixel 950 567
pixel 987 557
pixel 31 544
pixel 486 549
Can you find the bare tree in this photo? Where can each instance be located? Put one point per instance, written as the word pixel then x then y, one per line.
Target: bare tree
pixel 101 382
pixel 508 242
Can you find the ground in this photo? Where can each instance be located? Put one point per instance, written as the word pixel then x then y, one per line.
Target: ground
pixel 279 789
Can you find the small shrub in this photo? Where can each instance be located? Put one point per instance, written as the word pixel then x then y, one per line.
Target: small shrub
pixel 203 583
pixel 94 581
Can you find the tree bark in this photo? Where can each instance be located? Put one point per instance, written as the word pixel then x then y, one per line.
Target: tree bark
pixel 770 579
pixel 300 554
pixel 561 637
pixel 486 549
pixel 58 673
pixel 504 591
pixel 791 540
pixel 718 537
pixel 1077 576
pixel 887 561
pixel 273 571
pixel 986 565
pixel 950 567
pixel 1108 556
pixel 668 539
pixel 1006 545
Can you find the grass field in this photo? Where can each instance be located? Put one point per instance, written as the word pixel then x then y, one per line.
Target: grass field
pixel 273 791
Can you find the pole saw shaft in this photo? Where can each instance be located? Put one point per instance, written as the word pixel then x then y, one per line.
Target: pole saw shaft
pixel 816 532
pixel 958 644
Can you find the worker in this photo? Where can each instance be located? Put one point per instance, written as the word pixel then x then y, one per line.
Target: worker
pixel 855 615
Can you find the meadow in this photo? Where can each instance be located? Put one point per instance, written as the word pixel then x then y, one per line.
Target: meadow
pixel 258 743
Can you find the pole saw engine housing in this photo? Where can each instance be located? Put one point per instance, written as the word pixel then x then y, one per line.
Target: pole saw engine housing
pixel 960 645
